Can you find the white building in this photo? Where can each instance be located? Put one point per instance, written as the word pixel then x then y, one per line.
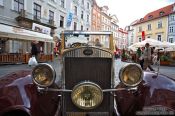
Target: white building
pixel 114 29
pixel 78 14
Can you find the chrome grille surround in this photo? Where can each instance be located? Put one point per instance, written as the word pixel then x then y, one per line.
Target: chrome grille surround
pixel 97 52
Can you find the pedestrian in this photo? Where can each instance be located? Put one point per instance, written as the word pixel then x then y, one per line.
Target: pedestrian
pixel 141 59
pixel 34 50
pixel 147 58
pixel 97 43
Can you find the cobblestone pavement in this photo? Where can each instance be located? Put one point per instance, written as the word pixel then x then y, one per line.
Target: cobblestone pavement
pixel 5 69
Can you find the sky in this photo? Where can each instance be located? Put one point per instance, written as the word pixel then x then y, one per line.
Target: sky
pixel 128 11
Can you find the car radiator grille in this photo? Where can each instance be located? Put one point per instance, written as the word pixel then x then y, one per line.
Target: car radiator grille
pixel 97 70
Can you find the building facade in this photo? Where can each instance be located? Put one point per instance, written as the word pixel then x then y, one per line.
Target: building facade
pixel 130 37
pixel 123 43
pixel 171 26
pixel 154 25
pixel 23 22
pixel 79 14
pixel 96 17
pixel 105 19
pixel 114 29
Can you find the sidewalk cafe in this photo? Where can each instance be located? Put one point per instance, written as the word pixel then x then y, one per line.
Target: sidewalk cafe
pixel 15 45
pixel 165 50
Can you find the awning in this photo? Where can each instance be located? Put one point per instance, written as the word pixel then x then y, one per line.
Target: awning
pixel 19 33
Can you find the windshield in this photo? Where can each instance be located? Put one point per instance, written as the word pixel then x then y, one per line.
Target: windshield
pixel 86 40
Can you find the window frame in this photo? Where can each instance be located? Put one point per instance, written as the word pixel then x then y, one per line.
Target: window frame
pixel 81 27
pixel 18 2
pixel 159 37
pixel 82 14
pixel 75 26
pixel 75 10
pixel 51 15
pixel 149 27
pixel 159 25
pixel 62 3
pixel 36 10
pixel 61 21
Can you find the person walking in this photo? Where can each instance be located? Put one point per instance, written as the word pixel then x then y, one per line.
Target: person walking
pixel 147 58
pixel 141 59
pixel 34 50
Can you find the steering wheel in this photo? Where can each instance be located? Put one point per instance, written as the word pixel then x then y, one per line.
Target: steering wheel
pixel 77 44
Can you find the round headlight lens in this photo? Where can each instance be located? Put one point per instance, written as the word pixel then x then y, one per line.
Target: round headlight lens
pixel 87 95
pixel 131 74
pixel 43 75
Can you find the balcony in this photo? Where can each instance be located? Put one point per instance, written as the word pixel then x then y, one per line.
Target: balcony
pixel 26 19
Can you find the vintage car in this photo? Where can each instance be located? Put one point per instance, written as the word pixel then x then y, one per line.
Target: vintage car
pixel 87 86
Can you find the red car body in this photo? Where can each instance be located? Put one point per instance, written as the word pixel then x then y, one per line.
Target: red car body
pixel 19 95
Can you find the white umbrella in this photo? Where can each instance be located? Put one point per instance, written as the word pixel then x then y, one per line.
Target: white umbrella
pixel 166 44
pixel 152 43
pixel 132 47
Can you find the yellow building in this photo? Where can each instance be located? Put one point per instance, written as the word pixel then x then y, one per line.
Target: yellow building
pixel 153 25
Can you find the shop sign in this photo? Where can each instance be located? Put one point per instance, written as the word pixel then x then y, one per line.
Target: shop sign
pixel 41 29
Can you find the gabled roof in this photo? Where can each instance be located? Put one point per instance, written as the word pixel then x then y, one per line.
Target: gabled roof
pixel 165 11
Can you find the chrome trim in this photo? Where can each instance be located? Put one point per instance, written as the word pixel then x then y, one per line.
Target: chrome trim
pixel 97 52
pixel 40 89
pixel 53 73
pixel 124 67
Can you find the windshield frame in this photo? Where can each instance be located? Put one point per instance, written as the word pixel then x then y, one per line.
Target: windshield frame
pixel 88 33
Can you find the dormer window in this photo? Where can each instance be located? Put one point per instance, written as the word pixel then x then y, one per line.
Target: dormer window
pixel 150 16
pixel 161 13
pixel 141 19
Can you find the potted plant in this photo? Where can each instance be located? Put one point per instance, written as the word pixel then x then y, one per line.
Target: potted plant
pixel 165 59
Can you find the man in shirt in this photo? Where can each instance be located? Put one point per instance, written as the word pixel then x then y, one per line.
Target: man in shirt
pixel 147 57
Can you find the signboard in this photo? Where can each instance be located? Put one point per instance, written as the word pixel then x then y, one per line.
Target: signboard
pixel 69 19
pixel 41 29
pixel 143 35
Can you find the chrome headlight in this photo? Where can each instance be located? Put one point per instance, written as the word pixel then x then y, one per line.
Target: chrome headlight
pixel 43 75
pixel 87 95
pixel 131 74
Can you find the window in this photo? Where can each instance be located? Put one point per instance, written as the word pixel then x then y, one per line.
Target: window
pixel 51 15
pixel 75 26
pixel 149 26
pixel 150 16
pixel 87 5
pixel 18 5
pixel 140 39
pixel 61 21
pixel 37 11
pixel 81 27
pixel 161 13
pixel 82 2
pixel 159 37
pixel 1 2
pixel 171 40
pixel 171 29
pixel 172 17
pixel 88 18
pixel 81 14
pixel 62 3
pixel 140 29
pixel 75 10
pixel 159 24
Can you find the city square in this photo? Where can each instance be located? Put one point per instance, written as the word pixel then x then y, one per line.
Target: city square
pixel 87 57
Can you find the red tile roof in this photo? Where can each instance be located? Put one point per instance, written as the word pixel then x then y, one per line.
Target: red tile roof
pixel 156 14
